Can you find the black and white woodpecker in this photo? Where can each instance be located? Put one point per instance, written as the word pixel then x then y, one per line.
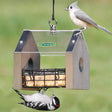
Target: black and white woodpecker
pixel 40 101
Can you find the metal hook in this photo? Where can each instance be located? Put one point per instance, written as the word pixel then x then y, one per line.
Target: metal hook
pixel 53 27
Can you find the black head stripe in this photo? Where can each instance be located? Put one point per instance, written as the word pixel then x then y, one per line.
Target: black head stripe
pixel 56 102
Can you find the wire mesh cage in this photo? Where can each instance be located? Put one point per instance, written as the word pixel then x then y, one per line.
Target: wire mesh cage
pixel 43 78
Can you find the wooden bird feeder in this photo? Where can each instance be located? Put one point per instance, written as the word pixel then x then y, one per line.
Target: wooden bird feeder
pixel 44 60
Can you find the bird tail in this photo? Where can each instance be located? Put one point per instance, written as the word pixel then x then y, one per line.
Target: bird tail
pixel 21 103
pixel 104 29
pixel 19 93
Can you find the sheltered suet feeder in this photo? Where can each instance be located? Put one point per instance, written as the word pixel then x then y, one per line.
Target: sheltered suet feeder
pixel 45 60
pixel 51 59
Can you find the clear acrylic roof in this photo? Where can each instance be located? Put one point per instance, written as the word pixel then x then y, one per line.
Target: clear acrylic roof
pixel 52 43
pixel 50 47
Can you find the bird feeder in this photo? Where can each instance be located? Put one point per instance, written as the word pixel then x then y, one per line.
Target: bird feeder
pixel 45 60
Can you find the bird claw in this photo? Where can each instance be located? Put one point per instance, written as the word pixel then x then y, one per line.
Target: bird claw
pixel 77 34
pixel 81 31
pixel 44 90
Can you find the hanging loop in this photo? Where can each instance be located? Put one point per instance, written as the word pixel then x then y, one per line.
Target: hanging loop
pixel 51 21
pixel 53 26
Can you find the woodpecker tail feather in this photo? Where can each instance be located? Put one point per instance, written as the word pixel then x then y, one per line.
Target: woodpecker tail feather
pixel 21 103
pixel 104 29
pixel 19 93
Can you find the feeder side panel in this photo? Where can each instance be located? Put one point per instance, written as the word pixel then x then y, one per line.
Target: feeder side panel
pixel 80 64
pixel 30 46
pixel 86 65
pixel 17 71
pixel 69 70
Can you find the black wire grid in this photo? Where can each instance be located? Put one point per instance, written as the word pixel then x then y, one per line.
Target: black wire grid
pixel 56 75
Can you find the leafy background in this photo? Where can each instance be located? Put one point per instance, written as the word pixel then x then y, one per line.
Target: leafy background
pixel 16 15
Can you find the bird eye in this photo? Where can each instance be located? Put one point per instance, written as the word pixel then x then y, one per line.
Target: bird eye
pixel 70 7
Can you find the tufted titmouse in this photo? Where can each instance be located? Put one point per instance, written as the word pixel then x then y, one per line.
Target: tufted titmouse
pixel 81 19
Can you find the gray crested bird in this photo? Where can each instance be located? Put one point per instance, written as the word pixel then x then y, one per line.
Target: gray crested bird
pixel 40 101
pixel 81 19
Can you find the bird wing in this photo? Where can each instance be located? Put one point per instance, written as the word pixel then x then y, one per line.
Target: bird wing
pixel 84 17
pixel 37 97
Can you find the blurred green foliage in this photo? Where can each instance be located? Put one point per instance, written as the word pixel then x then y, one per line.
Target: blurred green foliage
pixel 16 15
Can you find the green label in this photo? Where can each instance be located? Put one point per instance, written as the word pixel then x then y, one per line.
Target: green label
pixel 47 44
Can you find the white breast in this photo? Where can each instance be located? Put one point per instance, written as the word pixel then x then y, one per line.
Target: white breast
pixel 78 22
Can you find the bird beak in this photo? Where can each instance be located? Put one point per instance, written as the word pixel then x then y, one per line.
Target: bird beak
pixel 67 9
